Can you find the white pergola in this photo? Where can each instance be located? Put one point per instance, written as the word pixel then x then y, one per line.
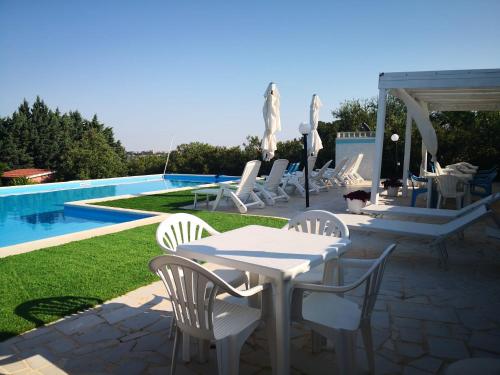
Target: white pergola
pixel 446 90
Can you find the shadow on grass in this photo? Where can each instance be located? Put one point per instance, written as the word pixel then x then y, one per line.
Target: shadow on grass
pixel 44 310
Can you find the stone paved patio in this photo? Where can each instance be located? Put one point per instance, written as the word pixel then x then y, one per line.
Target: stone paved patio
pixel 425 318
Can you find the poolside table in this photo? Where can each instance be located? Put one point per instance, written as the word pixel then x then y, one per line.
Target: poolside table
pixel 277 254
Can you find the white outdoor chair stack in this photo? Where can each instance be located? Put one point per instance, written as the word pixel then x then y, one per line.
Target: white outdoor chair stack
pixel 319 177
pixel 297 181
pixel 270 190
pixel 181 228
pixel 244 196
pixel 464 167
pixel 192 289
pixel 350 174
pixel 333 176
pixel 321 223
pixel 325 310
pixel 448 188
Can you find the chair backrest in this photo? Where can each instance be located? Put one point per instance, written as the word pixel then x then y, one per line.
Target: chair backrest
pixel 339 166
pixel 276 174
pixel 357 163
pixel 323 169
pixel 373 279
pixel 416 181
pixel 462 221
pixel 192 290
pixel 487 201
pixel 438 170
pixel 311 161
pixel 318 222
pixel 292 168
pixel 180 228
pixel 348 167
pixel 248 178
pixel 447 184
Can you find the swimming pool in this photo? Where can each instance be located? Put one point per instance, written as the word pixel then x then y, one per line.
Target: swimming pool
pixel 34 212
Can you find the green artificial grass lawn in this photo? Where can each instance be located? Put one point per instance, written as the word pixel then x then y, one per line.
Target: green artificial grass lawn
pixel 47 284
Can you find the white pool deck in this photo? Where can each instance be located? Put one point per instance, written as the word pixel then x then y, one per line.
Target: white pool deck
pixel 425 317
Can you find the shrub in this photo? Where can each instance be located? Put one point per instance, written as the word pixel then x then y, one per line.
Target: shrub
pixel 358 194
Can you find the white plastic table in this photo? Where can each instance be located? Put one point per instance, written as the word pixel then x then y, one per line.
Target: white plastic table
pixel 277 254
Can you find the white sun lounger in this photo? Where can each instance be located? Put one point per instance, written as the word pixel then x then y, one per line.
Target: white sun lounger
pixel 297 180
pixel 271 190
pixel 437 233
pixel 333 176
pixel 425 213
pixel 244 196
pixel 318 177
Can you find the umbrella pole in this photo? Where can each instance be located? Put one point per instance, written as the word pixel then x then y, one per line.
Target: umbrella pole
pixel 306 170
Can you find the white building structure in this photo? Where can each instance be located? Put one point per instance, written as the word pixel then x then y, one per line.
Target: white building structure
pixel 448 90
pixel 351 144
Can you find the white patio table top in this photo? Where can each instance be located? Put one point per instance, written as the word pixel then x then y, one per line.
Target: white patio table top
pixel 277 254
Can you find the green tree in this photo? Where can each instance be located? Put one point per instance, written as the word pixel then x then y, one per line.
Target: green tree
pixel 92 157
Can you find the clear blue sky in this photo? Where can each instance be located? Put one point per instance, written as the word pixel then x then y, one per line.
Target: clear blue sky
pixel 198 69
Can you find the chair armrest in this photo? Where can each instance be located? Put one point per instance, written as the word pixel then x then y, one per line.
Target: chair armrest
pixel 252 291
pixel 356 263
pixel 326 288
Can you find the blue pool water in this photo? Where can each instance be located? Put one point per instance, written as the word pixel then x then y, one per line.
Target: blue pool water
pixel 34 212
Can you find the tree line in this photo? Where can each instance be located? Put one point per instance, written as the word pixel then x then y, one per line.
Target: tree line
pixel 77 148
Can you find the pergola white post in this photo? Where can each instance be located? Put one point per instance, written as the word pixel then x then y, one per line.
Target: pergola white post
pixel 379 144
pixel 423 166
pixel 406 161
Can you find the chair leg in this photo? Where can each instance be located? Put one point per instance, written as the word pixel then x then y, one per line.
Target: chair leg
pixel 175 351
pixel 173 326
pixel 366 331
pixel 345 346
pixel 439 201
pixel 459 203
pixel 228 356
pixel 317 341
pixel 186 352
pixel 203 349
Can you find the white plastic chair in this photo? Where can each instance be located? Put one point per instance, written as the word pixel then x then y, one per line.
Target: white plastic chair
pixel 327 313
pixel 448 188
pixel 181 228
pixel 193 290
pixel 270 190
pixel 244 196
pixel 322 223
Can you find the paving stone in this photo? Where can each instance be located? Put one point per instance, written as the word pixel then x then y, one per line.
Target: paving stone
pixel 447 348
pixel 79 324
pixel 150 342
pixel 99 333
pixel 380 319
pixel 14 364
pixel 140 321
pixel 61 345
pixel 52 370
pixel 408 370
pixel 485 341
pixel 437 329
pixel 409 323
pixel 475 320
pixel 409 350
pixel 427 363
pixel 418 299
pixel 38 341
pixel 384 366
pixel 411 335
pixel 37 361
pixel 132 367
pixel 423 312
pixel 122 313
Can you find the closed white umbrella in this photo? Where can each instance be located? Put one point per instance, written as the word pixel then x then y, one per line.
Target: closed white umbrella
pixel 272 121
pixel 314 143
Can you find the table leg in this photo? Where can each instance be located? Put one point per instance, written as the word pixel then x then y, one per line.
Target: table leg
pixel 282 321
pixel 467 197
pixel 195 200
pixel 429 192
pixel 208 200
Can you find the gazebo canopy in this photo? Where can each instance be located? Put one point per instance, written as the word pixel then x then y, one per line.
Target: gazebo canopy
pixel 446 90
